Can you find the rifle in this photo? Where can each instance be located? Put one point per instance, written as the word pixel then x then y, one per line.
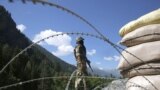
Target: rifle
pixel 88 62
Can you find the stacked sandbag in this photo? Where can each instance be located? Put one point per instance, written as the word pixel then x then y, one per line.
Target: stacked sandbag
pixel 141 35
pixel 141 83
pixel 150 18
pixel 143 70
pixel 142 55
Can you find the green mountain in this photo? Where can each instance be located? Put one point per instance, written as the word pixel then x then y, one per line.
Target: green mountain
pixel 36 62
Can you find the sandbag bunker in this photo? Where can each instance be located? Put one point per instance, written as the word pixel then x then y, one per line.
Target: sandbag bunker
pixel 141 61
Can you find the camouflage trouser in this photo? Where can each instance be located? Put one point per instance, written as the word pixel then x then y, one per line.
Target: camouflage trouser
pixel 81 66
pixel 80 83
pixel 81 71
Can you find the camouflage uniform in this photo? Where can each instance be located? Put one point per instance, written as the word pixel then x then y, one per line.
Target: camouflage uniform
pixel 80 55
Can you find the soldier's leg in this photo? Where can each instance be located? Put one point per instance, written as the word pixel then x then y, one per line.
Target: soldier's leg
pixel 77 83
pixel 78 76
pixel 84 68
pixel 84 83
pixel 81 66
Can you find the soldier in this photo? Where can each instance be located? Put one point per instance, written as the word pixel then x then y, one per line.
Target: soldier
pixel 80 55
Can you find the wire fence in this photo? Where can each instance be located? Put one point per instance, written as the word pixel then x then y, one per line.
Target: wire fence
pixel 99 36
pixel 29 81
pixel 46 78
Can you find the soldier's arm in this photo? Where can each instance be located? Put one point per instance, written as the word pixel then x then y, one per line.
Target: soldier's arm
pixel 75 53
pixel 85 51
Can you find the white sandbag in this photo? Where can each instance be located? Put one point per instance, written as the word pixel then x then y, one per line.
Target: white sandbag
pixel 147 69
pixel 147 52
pixel 140 83
pixel 150 18
pixel 142 35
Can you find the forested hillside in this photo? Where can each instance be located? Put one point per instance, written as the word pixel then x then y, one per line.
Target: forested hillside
pixel 34 63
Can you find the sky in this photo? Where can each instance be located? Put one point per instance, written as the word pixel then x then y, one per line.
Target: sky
pixel 37 21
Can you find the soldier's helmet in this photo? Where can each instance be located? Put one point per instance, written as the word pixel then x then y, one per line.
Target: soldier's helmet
pixel 79 39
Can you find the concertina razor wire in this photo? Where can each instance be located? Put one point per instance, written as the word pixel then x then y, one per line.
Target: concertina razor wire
pixel 116 47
